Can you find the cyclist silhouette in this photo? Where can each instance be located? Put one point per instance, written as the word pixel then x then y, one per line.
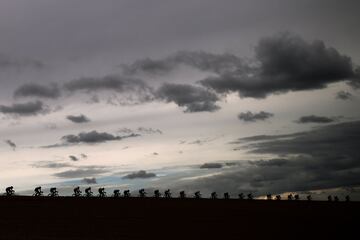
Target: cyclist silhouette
pixel 226 195
pixel 329 198
pixel 197 195
pixel 347 198
pixel 290 197
pixel 102 192
pixel 88 192
pixel 77 192
pixel 38 192
pixel 10 191
pixel 157 194
pixel 142 193
pixel 336 199
pixel 241 196
pixel 213 195
pixel 116 193
pixel 297 197
pixel 278 197
pixel 250 196
pixel 308 197
pixel 268 197
pixel 127 194
pixel 182 194
pixel 53 192
pixel 167 194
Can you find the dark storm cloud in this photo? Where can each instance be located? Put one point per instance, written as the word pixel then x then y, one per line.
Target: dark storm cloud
pixel 211 165
pixel 254 117
pixel 109 82
pixel 139 174
pixel 89 180
pixel 78 119
pixel 315 119
pixel 193 98
pixel 343 95
pixel 48 164
pixel 286 62
pixel 325 157
pixel 94 137
pixel 36 90
pixel 82 172
pixel 10 63
pixel 266 137
pixel 149 130
pixel 73 158
pixel 217 63
pixel 11 144
pixel 25 109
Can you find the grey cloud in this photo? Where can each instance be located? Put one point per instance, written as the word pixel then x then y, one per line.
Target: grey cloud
pixel 11 144
pixel 36 90
pixel 343 95
pixel 325 157
pixel 139 174
pixel 193 98
pixel 11 63
pixel 83 155
pixel 48 164
pixel 217 63
pixel 73 158
pixel 149 130
pixel 78 119
pixel 286 62
pixel 89 180
pixel 211 165
pixel 133 89
pixel 82 172
pixel 94 137
pixel 254 117
pixel 25 109
pixel 266 137
pixel 315 119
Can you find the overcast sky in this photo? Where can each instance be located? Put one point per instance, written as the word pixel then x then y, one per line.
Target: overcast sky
pixel 108 88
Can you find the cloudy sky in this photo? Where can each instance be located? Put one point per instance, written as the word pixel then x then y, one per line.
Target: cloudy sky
pixel 242 96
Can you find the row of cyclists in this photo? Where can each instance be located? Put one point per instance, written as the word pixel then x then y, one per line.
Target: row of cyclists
pixel 157 194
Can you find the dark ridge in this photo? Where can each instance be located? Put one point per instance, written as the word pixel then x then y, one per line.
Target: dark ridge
pixel 146 218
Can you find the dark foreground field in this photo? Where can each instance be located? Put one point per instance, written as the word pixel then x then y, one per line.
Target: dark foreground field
pixel 80 218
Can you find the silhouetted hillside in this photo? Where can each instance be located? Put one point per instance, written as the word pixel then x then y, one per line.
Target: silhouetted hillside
pixel 108 218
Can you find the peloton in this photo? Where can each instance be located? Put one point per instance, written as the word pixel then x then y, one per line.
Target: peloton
pixel 77 192
pixel 10 191
pixel 53 192
pixel 88 192
pixel 38 192
pixel 102 192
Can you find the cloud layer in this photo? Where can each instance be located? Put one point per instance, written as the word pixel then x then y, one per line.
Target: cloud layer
pixel 254 117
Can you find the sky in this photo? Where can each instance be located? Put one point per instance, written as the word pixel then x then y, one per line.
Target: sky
pixel 239 96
